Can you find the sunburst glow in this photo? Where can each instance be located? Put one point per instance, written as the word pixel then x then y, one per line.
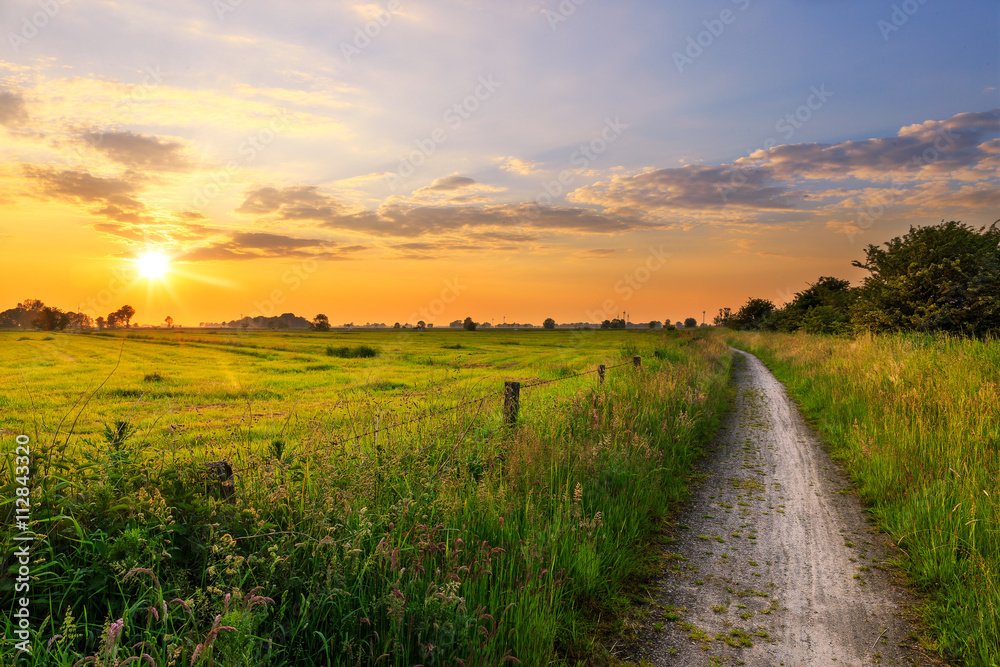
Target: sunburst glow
pixel 153 265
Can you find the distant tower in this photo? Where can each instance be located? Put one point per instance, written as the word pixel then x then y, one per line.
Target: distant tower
pixel 703 318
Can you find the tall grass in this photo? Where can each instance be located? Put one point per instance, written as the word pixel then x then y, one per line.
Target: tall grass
pixel 916 419
pixel 453 540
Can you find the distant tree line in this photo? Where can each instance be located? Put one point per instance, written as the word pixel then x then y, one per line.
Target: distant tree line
pixel 33 314
pixel 943 277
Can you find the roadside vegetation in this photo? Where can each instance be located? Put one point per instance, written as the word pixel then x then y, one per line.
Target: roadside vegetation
pixel 906 392
pixel 384 514
pixel 942 278
pixel 914 417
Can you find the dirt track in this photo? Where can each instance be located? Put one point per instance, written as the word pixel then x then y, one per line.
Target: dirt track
pixel 774 563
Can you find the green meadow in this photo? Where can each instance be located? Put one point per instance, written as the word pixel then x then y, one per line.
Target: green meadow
pixel 381 512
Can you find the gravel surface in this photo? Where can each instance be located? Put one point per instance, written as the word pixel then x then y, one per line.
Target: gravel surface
pixel 774 562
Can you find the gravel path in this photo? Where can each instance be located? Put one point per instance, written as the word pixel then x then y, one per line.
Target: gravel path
pixel 774 563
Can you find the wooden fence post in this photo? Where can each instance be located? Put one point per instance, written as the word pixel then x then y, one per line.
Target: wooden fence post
pixel 511 402
pixel 637 362
pixel 221 474
pixel 600 372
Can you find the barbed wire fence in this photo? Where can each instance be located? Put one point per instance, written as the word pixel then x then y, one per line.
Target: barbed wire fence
pixel 509 394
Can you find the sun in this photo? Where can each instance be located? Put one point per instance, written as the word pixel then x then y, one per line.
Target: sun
pixel 153 265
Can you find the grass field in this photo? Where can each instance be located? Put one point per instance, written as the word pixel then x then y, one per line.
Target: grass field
pixel 383 513
pixel 916 420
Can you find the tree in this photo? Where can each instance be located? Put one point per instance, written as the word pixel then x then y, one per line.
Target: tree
pixel 944 277
pixel 690 322
pixel 722 319
pixel 114 320
pixel 21 316
pixel 397 325
pixel 549 323
pixel 100 323
pixel 320 323
pixel 169 321
pixel 126 312
pixel 50 318
pixel 653 324
pixel 752 315
pixel 468 324
pixel 81 321
pixel 421 325
pixel 833 295
pixel 606 324
pixel 667 323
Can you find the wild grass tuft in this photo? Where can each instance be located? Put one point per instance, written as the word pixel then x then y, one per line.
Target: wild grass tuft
pixel 347 352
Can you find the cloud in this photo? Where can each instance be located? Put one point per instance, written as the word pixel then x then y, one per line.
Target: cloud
pixel 13 111
pixel 448 184
pixel 518 166
pixel 139 151
pixel 456 189
pixel 302 202
pixel 261 245
pixel 808 178
pixel 932 148
pixel 691 187
pixel 114 198
pixel 412 219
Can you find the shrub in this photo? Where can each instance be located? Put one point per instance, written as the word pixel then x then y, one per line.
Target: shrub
pixel 345 352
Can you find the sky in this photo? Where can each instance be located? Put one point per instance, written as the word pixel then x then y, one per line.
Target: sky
pixel 514 160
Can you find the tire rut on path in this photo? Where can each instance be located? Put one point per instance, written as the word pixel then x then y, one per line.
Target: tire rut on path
pixel 774 562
